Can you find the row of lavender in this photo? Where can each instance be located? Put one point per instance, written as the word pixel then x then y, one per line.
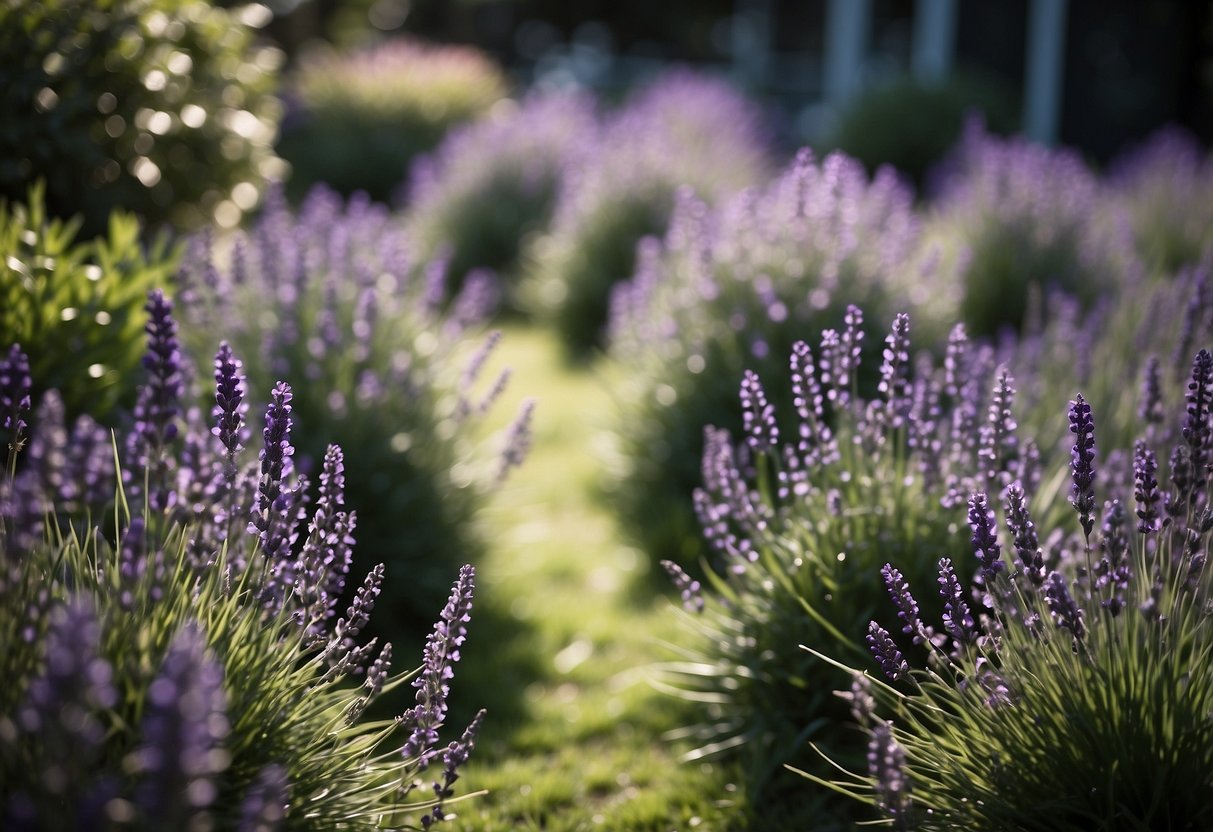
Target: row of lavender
pixel 355 314
pixel 171 641
pixel 876 477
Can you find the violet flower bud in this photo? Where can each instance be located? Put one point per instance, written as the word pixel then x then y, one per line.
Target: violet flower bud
pixel 15 385
pixel 688 587
pixel 885 651
pixel 1082 467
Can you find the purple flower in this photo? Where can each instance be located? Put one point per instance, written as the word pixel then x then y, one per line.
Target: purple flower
pixel 441 652
pixel 758 415
pixel 957 619
pixel 886 769
pixel 62 726
pixel 517 441
pixel 998 446
pixel 346 629
pixel 158 405
pixel 894 371
pixel 1082 467
pixel 229 407
pixel 1112 570
pixel 885 651
pixel 1151 410
pixel 1066 612
pixel 183 731
pixel 264 805
pixel 1023 531
pixel 688 587
pixel 453 758
pixel 278 509
pixel 15 384
pixel 985 537
pixel 1145 488
pixel 327 553
pixel 1196 430
pixel 907 607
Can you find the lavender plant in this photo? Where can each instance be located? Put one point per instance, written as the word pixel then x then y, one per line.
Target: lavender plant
pixel 75 305
pixel 329 300
pixel 1024 218
pixel 800 515
pixel 361 117
pixel 492 184
pixel 189 669
pixel 683 129
pixel 1166 187
pixel 731 290
pixel 1076 691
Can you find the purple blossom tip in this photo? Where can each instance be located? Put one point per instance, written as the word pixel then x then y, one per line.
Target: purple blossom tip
pixel 985 537
pixel 1082 465
pixel 907 608
pixel 885 651
pixel 688 587
pixel 15 385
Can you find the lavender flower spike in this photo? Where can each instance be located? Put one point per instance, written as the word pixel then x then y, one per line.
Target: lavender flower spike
pixel 762 433
pixel 264 806
pixel 886 767
pixel 1196 430
pixel 957 618
pixel 1023 530
pixel 184 726
pixel 1082 465
pixel 692 596
pixel 518 441
pixel 885 651
pixel 15 384
pixel 1066 612
pixel 453 758
pixel 1145 488
pixel 899 591
pixel 441 651
pixel 275 459
pixel 159 400
pixel 985 540
pixel 229 406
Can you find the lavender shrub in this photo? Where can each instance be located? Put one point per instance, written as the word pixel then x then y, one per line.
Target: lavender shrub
pixel 492 184
pixel 731 290
pixel 801 513
pixel 188 668
pixel 683 129
pixel 330 300
pixel 1079 700
pixel 1165 185
pixel 1025 219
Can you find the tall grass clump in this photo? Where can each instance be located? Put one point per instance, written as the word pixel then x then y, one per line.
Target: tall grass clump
pixel 731 290
pixel 360 118
pixel 1071 688
pixel 329 300
pixel 175 646
pixel 165 108
pixel 76 305
pixel 1166 187
pixel 1024 219
pixel 492 184
pixel 684 129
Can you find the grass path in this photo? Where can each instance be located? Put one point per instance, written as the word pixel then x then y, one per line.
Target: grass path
pixel 565 624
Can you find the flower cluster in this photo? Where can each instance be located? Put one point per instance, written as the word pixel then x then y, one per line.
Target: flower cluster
pixel 493 183
pixel 1094 626
pixel 1024 217
pixel 330 300
pixel 731 290
pixel 194 670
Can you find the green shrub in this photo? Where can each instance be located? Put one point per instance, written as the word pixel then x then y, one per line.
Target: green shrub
pixel 75 307
pixel 683 129
pixel 364 116
pixel 160 107
pixel 912 125
pixel 329 300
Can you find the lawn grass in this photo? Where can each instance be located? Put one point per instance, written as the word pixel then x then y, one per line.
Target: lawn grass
pixel 566 624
